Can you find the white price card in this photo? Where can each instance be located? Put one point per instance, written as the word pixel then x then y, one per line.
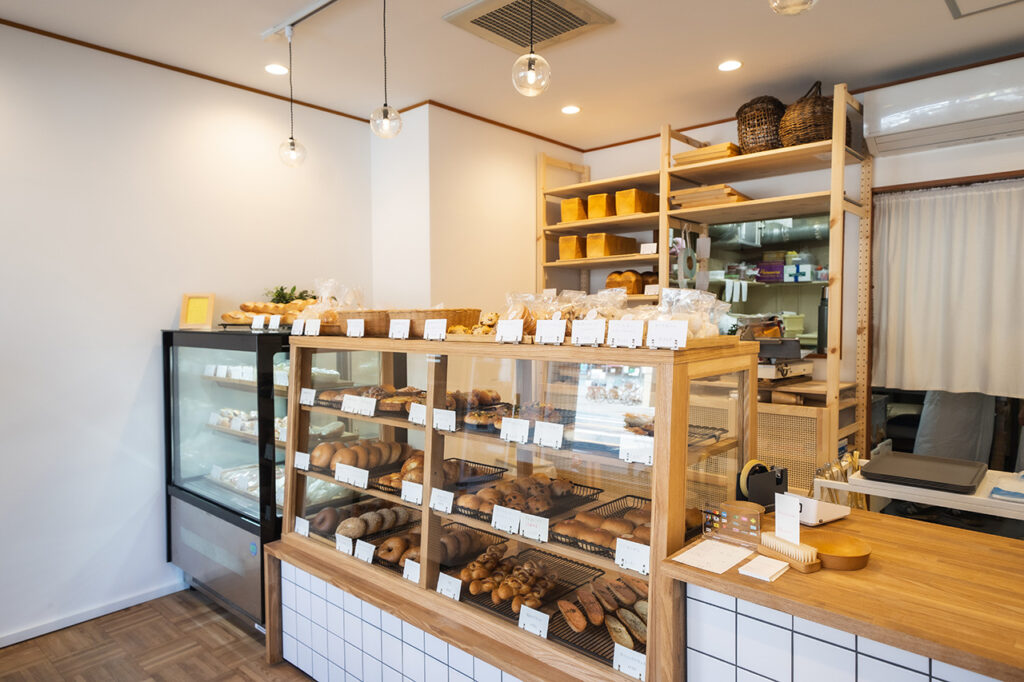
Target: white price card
pixel 515 430
pixel 312 328
pixel 249 373
pixel 550 292
pixel 666 334
pixel 355 328
pixel 283 435
pixel 506 520
pixel 307 396
pixel 350 403
pixel 411 571
pixel 442 500
pixel 629 662
pixel 364 551
pixel 533 621
pixel 354 476
pixel 418 413
pixel 234 372
pixel 547 434
pixel 302 526
pixel 509 331
pixel 216 471
pixel 444 420
pixel 343 544
pixel 533 527
pixel 398 329
pixel 236 424
pixel 633 555
pixel 259 321
pixel 588 332
pixel 652 289
pixel 550 332
pixel 222 371
pixel 636 448
pixel 274 323
pixel 214 419
pixel 435 330
pixel 367 406
pixel 302 461
pixel 209 370
pixel 298 327
pixel 412 492
pixel 280 378
pixel 449 586
pixel 625 333
pixel 649 249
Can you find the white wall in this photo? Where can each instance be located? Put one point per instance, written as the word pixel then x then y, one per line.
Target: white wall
pixel 123 186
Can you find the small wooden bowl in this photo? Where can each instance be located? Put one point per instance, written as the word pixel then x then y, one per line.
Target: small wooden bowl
pixel 837 551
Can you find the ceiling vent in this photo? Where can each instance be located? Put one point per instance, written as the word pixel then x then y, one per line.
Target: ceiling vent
pixel 507 24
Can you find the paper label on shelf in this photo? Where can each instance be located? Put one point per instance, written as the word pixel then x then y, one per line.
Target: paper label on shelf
pixel 343 544
pixel 588 332
pixel 274 323
pixel 307 396
pixel 418 414
pixel 515 430
pixel 652 289
pixel 533 621
pixel 236 424
pixel 302 526
pixel 550 292
pixel 442 500
pixel 216 472
pixel 666 334
pixel 636 448
pixel 625 333
pixel 283 436
pixel 259 321
pixel 355 328
pixel 222 371
pixel 398 329
pixel 302 461
pixel 629 662
pixel 364 551
pixel 411 571
pixel 298 327
pixel 234 372
pixel 209 370
pixel 787 518
pixel 354 476
pixel 649 249
pixel 444 420
pixel 550 331
pixel 356 404
pixel 249 373
pixel 280 377
pixel 533 527
pixel 435 330
pixel 633 555
pixel 449 586
pixel 506 520
pixel 509 331
pixel 703 247
pixel 547 434
pixel 412 492
pixel 214 419
pixel 312 328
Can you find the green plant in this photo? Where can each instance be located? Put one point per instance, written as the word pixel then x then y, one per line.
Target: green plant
pixel 282 295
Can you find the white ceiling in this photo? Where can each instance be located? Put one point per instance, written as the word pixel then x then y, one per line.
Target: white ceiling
pixel 656 64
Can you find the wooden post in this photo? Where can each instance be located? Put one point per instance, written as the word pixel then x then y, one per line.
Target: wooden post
pixel 433 461
pixel 665 187
pixel 865 241
pixel 837 225
pixel 272 607
pixel 300 374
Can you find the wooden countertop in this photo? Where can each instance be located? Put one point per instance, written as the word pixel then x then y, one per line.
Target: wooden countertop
pixel 946 593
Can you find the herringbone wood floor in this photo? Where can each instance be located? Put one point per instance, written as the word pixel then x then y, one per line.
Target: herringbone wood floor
pixel 183 636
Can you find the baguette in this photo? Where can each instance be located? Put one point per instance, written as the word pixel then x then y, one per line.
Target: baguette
pixel 623 595
pixel 593 609
pixel 618 631
pixel 604 595
pixel 637 627
pixel 573 617
pixel 641 608
pixel 635 584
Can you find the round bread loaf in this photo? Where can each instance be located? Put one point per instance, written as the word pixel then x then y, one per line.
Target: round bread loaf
pixel 346 456
pixel 373 521
pixel 393 548
pixel 388 518
pixel 325 520
pixel 468 501
pixel 321 455
pixel 401 516
pixel 354 527
pixel 362 456
pixel 414 476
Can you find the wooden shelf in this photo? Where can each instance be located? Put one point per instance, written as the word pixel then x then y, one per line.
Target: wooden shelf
pixel 241 435
pixel 799 159
pixel 635 222
pixel 590 454
pixel 604 261
pixel 792 206
pixel 243 385
pixel 369 491
pixel 849 430
pixel 698 453
pixel 646 181
pixel 643 298
pixel 395 422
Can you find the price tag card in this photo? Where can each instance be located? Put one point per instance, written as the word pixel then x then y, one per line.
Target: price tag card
pixel 364 551
pixel 302 461
pixel 222 371
pixel 509 331
pixel 636 448
pixel 350 403
pixel 259 321
pixel 283 437
pixel 274 323
pixel 435 330
pixel 343 544
pixel 216 471
pixel 302 526
pixel 625 333
pixel 533 527
pixel 447 585
pixel 307 396
pixel 280 378
pixel 649 249
pixel 412 492
pixel 550 331
pixel 505 519
pixel 588 332
pixel 234 372
pixel 533 620
pixel 418 414
pixel 411 571
pixel 236 424
pixel 550 292
pixel 214 419
pixel 515 430
pixel 652 290
pixel 666 334
pixel 249 373
pixel 633 555
pixel 367 406
pixel 632 663
pixel 444 420
pixel 354 476
pixel 355 328
pixel 442 500
pixel 312 328
pixel 399 329
pixel 209 370
pixel 298 327
pixel 547 434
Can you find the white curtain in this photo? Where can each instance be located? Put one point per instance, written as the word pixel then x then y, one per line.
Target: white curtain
pixel 949 289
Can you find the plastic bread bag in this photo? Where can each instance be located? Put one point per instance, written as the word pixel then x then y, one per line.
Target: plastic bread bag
pixel 518 307
pixel 350 298
pixel 568 304
pixel 607 304
pixel 326 306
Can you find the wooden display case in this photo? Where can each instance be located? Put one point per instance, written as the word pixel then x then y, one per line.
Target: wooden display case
pixel 589 391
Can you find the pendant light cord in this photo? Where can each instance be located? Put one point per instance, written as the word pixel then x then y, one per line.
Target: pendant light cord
pixel 531 26
pixel 384 20
pixel 291 90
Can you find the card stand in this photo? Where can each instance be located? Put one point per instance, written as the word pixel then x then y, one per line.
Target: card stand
pixel 578 496
pixel 488 539
pixel 699 434
pixel 595 641
pixel 571 576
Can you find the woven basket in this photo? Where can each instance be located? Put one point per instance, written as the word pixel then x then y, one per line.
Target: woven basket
pixel 809 119
pixel 757 124
pixel 418 318
pixel 375 322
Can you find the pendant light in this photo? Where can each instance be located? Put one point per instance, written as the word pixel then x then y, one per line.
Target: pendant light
pixel 791 6
pixel 291 152
pixel 385 121
pixel 531 74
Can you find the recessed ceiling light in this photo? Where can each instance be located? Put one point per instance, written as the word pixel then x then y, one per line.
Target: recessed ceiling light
pixel 729 65
pixel 276 69
pixel 570 109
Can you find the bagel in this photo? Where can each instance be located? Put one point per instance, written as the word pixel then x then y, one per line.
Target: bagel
pixel 392 549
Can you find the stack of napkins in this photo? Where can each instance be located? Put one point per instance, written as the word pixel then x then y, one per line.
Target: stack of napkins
pixel 1010 489
pixel 764 568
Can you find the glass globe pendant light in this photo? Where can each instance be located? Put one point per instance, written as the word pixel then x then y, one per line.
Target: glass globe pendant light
pixel 291 152
pixel 385 120
pixel 791 6
pixel 531 73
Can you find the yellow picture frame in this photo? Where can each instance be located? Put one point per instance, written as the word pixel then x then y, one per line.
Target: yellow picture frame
pixel 196 311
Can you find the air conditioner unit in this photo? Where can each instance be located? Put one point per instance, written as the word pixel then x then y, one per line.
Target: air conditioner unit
pixel 973 105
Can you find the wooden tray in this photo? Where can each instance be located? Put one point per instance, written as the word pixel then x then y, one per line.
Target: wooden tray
pixel 709 153
pixel 709 195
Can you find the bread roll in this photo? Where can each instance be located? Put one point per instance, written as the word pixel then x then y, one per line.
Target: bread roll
pixel 593 608
pixel 619 633
pixel 354 527
pixel 590 519
pixel 393 548
pixel 325 520
pixel 388 519
pixel 373 521
pixel 639 586
pixel 468 501
pixel 362 456
pixel 322 455
pixel 638 516
pixel 624 595
pixel 573 616
pixel 411 553
pixel 346 456
pixel 617 527
pixel 636 627
pixel 249 306
pixel 598 536
pixel 642 534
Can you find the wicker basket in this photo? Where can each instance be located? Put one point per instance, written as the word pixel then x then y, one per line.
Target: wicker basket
pixel 375 323
pixel 757 124
pixel 809 119
pixel 418 318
